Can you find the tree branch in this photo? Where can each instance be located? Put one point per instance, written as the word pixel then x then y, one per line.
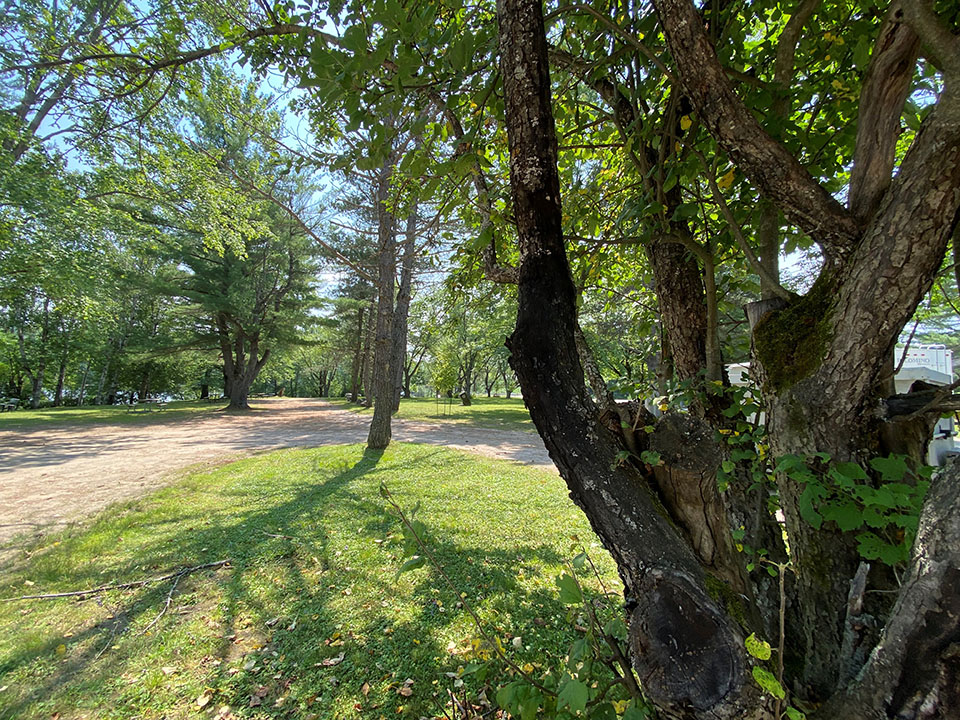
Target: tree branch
pixel 885 89
pixel 945 46
pixel 770 166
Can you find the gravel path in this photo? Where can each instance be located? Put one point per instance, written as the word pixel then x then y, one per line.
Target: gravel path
pixel 50 477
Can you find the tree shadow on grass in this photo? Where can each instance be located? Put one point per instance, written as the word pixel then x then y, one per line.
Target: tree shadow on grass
pixel 311 577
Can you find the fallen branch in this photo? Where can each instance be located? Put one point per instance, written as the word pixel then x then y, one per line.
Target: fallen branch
pixel 120 586
pixel 166 605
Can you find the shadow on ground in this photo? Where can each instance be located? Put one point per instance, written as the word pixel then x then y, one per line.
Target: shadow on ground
pixel 308 617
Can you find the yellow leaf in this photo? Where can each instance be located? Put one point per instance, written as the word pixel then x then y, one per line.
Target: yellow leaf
pixel 685 122
pixel 726 181
pixel 61 649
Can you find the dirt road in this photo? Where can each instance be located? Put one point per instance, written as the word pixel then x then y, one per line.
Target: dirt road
pixel 51 476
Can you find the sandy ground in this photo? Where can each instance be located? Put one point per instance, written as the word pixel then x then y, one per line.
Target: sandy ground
pixel 51 477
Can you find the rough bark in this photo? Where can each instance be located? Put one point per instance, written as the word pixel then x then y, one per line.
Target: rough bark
pixel 885 89
pixel 383 375
pixel 686 650
pixel 914 671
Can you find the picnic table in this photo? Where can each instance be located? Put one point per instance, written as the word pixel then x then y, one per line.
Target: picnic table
pixel 9 404
pixel 146 405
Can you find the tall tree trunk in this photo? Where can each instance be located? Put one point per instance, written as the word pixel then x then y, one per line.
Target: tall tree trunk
pixel 367 364
pixel 821 357
pixel 83 383
pixel 357 359
pixel 686 648
pixel 383 372
pixel 402 310
pixel 61 376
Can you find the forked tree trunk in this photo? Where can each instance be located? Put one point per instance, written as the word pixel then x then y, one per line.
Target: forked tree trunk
pixel 242 362
pixel 820 360
pixel 688 652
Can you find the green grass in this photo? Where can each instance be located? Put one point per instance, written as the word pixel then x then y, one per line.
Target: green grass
pixel 262 627
pixel 498 413
pixel 50 417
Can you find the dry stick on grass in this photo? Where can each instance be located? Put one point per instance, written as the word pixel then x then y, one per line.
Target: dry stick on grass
pixel 166 605
pixel 120 586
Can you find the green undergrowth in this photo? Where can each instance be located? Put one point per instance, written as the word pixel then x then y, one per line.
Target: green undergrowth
pixel 309 619
pixel 499 413
pixel 111 414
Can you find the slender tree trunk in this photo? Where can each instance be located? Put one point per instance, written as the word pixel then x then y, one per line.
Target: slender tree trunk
pixel 383 372
pixel 83 383
pixel 367 365
pixel 357 359
pixel 402 311
pixel 61 375
pixel 101 383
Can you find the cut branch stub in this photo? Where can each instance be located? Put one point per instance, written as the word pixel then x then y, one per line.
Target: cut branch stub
pixel 685 653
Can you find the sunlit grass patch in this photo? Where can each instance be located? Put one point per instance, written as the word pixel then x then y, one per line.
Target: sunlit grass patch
pixel 312 576
pixel 499 413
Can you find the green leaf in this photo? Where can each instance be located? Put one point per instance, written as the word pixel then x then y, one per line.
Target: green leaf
pixel 651 457
pixel 417 561
pixel 768 682
pixel 847 516
pixel 892 469
pixel 794 714
pixel 569 590
pixel 760 649
pixel 861 56
pixel 574 695
pixel 851 470
pixel 727 466
pixel 530 706
pixel 808 512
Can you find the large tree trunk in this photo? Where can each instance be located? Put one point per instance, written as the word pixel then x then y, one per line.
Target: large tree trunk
pixel 687 650
pixel 383 374
pixel 241 363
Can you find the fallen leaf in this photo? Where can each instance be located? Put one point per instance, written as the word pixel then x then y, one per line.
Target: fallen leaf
pixel 272 621
pixel 254 701
pixel 365 689
pixel 330 662
pixel 168 670
pixel 61 649
pixel 204 698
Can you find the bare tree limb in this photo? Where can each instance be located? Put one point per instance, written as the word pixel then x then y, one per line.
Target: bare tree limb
pixel 119 586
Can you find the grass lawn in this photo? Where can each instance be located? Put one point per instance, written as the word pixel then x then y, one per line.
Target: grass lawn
pixel 176 410
pixel 486 412
pixel 309 619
